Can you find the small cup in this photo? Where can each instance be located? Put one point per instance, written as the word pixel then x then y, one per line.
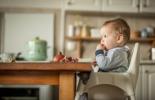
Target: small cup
pixel 7 57
pixel 71 29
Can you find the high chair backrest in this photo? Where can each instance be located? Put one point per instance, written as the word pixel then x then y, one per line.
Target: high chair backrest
pixel 134 64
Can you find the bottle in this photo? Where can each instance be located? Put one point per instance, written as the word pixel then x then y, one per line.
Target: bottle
pixel 71 30
pixel 78 27
pixel 85 31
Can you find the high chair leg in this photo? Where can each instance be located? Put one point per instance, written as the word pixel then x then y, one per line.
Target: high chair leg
pixel 132 97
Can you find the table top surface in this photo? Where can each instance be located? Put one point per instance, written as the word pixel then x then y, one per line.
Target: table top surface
pixel 43 66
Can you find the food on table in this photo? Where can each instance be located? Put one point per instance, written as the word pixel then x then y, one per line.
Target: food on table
pixel 62 58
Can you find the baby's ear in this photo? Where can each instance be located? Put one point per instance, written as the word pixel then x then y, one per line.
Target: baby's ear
pixel 120 39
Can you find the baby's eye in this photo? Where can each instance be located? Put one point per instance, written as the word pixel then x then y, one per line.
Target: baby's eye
pixel 104 35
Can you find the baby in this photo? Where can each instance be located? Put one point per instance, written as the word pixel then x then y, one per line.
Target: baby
pixel 111 53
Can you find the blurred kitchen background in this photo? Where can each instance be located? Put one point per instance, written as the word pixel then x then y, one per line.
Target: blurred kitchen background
pixel 72 27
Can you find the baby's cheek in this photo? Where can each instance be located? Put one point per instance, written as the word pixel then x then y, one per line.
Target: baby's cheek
pixel 101 42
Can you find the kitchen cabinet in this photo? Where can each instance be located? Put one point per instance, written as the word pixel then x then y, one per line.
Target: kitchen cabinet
pixel 133 6
pixel 128 6
pixel 120 5
pixel 82 5
pixel 102 5
pixel 145 87
pixel 148 81
pixel 147 6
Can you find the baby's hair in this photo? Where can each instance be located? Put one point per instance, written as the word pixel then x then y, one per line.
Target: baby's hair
pixel 121 26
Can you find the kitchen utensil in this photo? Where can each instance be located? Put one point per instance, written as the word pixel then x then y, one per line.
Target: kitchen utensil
pixel 71 30
pixel 144 33
pixel 150 30
pixel 37 50
pixel 85 31
pixel 147 32
pixel 7 57
pixel 135 34
pixel 95 32
pixel 71 45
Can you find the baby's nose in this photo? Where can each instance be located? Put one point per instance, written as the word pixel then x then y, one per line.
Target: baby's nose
pixel 102 41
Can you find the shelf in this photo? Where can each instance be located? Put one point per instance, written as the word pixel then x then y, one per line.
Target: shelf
pixel 82 39
pixel 143 39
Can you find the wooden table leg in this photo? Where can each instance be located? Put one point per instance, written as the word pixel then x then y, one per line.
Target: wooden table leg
pixel 66 86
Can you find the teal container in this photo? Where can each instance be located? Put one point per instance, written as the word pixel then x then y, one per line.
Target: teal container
pixel 36 50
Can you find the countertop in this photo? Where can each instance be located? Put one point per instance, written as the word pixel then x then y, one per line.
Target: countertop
pixel 147 62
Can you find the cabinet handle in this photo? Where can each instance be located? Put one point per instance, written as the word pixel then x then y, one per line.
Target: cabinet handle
pixel 69 2
pixel 138 5
pixel 144 5
pixel 146 71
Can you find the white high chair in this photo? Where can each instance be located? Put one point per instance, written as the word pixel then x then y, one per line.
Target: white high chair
pixel 120 85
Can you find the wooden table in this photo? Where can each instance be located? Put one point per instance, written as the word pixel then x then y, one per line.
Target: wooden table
pixel 59 74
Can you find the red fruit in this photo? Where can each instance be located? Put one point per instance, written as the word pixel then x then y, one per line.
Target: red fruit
pixel 70 58
pixel 58 57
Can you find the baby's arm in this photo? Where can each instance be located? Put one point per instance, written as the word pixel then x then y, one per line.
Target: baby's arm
pixel 102 60
pixel 113 60
pixel 100 47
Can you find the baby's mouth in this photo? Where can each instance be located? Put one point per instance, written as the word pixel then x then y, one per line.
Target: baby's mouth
pixel 104 46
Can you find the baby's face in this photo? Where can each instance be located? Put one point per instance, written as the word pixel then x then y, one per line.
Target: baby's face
pixel 108 37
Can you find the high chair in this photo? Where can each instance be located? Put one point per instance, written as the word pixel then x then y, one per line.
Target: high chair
pixel 115 85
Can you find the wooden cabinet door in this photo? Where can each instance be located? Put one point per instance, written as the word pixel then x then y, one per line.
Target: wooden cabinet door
pixel 120 5
pixel 148 82
pixel 83 5
pixel 147 6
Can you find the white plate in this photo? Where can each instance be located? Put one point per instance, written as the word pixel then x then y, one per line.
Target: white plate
pixel 46 61
pixel 86 59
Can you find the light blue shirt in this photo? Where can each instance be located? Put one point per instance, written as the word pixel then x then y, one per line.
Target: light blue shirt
pixel 116 59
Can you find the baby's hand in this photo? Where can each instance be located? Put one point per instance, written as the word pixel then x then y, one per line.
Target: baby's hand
pixel 100 46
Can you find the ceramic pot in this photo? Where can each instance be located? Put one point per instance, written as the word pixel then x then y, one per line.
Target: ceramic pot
pixel 36 50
